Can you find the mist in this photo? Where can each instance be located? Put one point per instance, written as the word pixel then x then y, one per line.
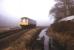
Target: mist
pixel 12 10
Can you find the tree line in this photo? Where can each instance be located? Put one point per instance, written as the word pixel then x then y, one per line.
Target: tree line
pixel 63 8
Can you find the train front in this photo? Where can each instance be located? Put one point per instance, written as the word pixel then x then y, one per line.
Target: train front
pixel 26 23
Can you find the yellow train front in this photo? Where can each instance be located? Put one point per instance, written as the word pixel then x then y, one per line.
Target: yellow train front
pixel 27 23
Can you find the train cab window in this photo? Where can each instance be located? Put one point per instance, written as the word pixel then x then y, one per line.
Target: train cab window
pixel 24 20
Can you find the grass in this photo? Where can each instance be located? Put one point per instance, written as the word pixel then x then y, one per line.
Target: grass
pixel 63 34
pixel 25 41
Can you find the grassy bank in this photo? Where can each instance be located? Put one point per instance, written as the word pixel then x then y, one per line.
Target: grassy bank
pixel 25 41
pixel 63 35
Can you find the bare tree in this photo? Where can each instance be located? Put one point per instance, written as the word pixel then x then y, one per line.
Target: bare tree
pixel 63 8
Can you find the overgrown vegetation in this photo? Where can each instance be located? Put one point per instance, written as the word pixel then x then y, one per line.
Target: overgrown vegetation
pixel 25 41
pixel 63 35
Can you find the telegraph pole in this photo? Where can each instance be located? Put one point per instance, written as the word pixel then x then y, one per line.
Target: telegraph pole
pixel 67 7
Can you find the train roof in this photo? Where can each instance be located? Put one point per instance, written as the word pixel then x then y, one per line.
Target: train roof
pixel 27 18
pixel 24 18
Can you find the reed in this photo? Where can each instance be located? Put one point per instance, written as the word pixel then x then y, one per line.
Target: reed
pixel 63 34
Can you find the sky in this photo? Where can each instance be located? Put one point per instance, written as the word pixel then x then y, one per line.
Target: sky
pixel 13 10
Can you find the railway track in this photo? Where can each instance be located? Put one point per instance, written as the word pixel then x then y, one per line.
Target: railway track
pixel 8 37
pixel 5 34
pixel 25 41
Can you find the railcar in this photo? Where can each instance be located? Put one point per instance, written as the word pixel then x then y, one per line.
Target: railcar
pixel 26 23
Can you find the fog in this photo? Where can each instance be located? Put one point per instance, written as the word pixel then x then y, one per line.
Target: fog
pixel 7 21
pixel 12 10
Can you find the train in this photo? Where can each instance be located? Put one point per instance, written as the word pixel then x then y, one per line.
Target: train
pixel 27 23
